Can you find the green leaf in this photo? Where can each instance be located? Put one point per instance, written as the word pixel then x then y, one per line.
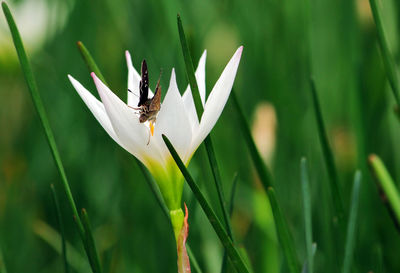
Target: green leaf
pixel 266 180
pixel 90 245
pixel 307 213
pixel 283 232
pixel 351 227
pixel 328 156
pixel 233 253
pixel 387 56
pixel 389 193
pixel 61 224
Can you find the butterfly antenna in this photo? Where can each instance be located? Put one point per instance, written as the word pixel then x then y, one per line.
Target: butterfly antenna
pixel 130 91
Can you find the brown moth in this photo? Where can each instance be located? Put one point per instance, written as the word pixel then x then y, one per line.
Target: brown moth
pixel 148 107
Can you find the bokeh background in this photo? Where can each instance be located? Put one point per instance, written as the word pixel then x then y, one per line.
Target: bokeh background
pixel 272 84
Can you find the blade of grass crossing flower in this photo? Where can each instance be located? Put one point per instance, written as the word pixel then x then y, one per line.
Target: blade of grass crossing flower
pixel 387 56
pixel 307 213
pixel 351 227
pixel 61 224
pixel 328 156
pixel 92 252
pixel 233 253
pixel 218 183
pixel 87 57
pixel 284 235
pixel 199 110
pixel 262 170
pixel 190 69
pixel 386 187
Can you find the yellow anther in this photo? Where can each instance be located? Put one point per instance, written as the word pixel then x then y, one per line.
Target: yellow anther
pixel 152 128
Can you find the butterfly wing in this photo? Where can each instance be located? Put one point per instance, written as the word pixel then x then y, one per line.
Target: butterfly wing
pixel 144 84
pixel 155 104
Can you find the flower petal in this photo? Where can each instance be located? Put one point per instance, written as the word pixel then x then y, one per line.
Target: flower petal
pixel 125 122
pixel 133 82
pixel 173 122
pixel 217 99
pixel 188 97
pixel 96 107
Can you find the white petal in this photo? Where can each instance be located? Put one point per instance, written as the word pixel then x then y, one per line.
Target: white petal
pixel 96 107
pixel 133 82
pixel 173 122
pixel 187 96
pixel 217 99
pixel 125 122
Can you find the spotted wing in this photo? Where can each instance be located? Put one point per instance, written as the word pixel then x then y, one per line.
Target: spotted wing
pixel 144 84
pixel 155 104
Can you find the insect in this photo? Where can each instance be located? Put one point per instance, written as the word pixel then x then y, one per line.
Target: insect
pixel 148 107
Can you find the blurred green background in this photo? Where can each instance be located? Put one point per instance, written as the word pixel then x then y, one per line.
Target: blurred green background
pixel 131 232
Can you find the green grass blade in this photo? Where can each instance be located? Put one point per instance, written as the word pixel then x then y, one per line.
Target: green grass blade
pixel 233 253
pixel 283 232
pixel 351 227
pixel 37 101
pixel 76 261
pixel 305 264
pixel 190 69
pixel 284 235
pixel 91 247
pixel 263 172
pixel 61 224
pixel 193 261
pixel 87 57
pixel 387 56
pixel 224 266
pixel 387 188
pixel 199 110
pixel 307 213
pixel 328 156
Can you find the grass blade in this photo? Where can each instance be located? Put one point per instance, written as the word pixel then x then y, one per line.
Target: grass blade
pixel 284 235
pixel 265 176
pixel 199 110
pixel 193 262
pixel 224 266
pixel 61 224
pixel 307 213
pixel 87 57
pixel 30 80
pixel 387 188
pixel 37 101
pixel 328 156
pixel 91 247
pixel 233 254
pixel 283 232
pixel 387 56
pixel 351 227
pixel 190 69
pixel 76 261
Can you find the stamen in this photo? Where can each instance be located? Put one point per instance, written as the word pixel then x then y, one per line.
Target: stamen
pixel 151 128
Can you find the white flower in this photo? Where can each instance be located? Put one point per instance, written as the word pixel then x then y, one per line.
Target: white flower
pixel 177 119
